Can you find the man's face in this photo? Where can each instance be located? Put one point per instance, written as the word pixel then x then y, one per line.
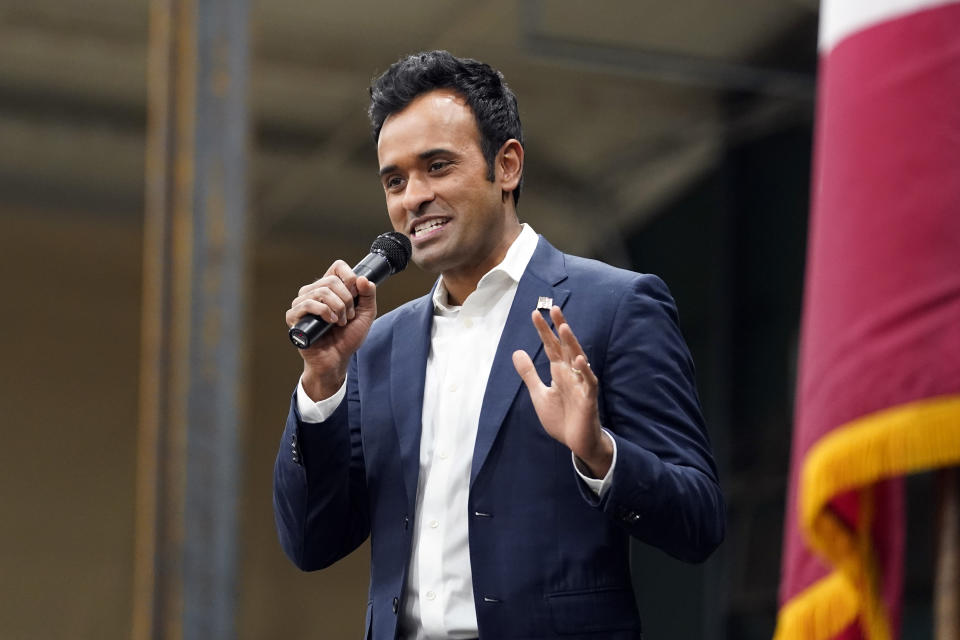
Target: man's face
pixel 435 179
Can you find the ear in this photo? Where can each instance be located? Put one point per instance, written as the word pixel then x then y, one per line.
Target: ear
pixel 510 164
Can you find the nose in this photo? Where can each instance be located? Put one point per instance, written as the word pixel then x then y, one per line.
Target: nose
pixel 417 192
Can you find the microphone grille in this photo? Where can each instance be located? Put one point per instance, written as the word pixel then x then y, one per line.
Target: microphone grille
pixel 395 247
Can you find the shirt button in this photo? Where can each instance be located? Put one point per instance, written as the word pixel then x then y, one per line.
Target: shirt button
pixel 431 595
pixel 468 323
pixel 434 524
pixel 443 455
pixel 453 387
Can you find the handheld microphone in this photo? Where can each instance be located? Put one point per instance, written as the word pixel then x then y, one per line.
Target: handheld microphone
pixel 388 255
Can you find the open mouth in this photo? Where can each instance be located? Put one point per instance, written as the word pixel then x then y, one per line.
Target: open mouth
pixel 427 227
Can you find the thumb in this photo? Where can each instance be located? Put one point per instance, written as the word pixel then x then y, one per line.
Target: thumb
pixel 366 296
pixel 524 366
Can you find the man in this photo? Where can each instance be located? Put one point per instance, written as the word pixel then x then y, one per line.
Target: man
pixel 501 437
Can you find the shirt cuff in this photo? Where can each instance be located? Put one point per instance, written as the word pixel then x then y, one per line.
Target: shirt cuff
pixel 598 485
pixel 311 411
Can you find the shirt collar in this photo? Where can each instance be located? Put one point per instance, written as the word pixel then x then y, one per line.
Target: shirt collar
pixel 512 266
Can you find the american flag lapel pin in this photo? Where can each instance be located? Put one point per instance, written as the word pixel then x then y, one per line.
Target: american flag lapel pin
pixel 543 302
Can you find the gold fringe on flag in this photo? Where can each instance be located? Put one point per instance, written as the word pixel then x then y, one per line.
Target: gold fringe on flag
pixel 905 439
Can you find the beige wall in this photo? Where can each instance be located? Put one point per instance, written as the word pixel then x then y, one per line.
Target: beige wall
pixel 68 410
pixel 68 405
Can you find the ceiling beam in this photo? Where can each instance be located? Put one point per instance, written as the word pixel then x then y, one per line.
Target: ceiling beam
pixel 667 66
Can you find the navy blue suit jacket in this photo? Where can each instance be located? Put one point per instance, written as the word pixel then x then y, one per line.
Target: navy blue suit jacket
pixel 549 558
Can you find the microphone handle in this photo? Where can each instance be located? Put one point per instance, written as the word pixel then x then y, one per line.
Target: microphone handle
pixel 310 328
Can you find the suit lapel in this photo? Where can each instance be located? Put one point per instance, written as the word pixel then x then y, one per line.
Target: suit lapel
pixel 544 271
pixel 408 365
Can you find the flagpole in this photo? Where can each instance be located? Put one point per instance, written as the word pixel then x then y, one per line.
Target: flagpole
pixel 946 600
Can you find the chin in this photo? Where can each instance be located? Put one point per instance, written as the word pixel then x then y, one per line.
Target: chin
pixel 425 263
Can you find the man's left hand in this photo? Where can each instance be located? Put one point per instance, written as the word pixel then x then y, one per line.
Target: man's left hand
pixel 568 407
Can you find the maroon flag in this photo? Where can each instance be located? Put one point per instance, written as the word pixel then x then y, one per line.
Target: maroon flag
pixel 879 389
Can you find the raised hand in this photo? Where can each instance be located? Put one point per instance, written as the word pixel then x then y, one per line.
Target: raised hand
pixel 568 407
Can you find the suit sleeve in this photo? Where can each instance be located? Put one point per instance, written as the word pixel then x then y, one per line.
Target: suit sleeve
pixel 319 484
pixel 664 488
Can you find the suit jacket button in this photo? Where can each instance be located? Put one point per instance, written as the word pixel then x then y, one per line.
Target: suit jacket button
pixel 396 605
pixel 406 522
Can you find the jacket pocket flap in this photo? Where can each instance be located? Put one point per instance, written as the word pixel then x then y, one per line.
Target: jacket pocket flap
pixel 594 610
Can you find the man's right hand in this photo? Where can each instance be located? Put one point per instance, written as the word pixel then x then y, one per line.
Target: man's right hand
pixel 331 298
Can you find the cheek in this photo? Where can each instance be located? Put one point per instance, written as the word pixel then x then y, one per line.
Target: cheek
pixel 397 216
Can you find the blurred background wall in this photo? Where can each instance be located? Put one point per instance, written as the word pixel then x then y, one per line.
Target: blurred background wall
pixel 671 138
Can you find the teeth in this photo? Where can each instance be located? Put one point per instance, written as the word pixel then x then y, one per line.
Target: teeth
pixel 424 227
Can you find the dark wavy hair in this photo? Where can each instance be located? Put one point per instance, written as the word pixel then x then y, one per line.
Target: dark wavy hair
pixel 486 92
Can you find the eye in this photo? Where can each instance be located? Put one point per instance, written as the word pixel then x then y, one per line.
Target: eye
pixel 439 165
pixel 393 183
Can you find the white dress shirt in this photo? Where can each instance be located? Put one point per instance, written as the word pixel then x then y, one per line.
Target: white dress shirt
pixel 438 601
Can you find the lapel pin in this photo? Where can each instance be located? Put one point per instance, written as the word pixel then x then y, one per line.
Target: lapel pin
pixel 543 302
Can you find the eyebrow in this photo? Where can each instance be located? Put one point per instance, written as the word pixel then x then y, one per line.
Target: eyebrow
pixel 425 155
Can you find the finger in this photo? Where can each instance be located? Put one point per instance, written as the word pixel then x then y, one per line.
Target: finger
pixel 556 314
pixel 559 321
pixel 343 271
pixel 568 340
pixel 337 269
pixel 528 373
pixel 586 373
pixel 337 274
pixel 314 307
pixel 366 294
pixel 551 344
pixel 365 288
pixel 331 297
pixel 332 291
pixel 569 344
pixel 326 282
pixel 346 288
